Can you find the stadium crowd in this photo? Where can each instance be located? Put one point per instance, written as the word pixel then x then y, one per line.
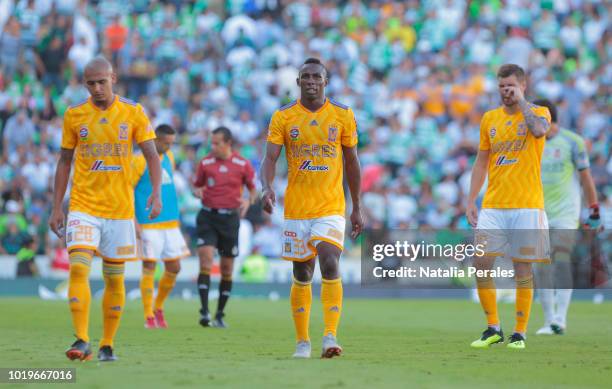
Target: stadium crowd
pixel 419 76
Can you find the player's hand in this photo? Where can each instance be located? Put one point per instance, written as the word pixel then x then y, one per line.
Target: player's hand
pixel 244 207
pixel 516 94
pixel 56 222
pixel 356 223
pixel 593 223
pixel 198 192
pixel 138 230
pixel 269 200
pixel 155 205
pixel 472 214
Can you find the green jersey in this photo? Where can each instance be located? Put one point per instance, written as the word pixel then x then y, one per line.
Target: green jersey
pixel 564 156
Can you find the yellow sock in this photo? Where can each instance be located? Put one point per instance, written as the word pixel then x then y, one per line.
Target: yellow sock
pixel 301 300
pixel 113 301
pixel 488 299
pixel 79 294
pixel 331 297
pixel 524 297
pixel 165 287
pixel 147 283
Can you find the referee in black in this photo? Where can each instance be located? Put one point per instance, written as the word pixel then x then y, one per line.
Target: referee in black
pixel 219 181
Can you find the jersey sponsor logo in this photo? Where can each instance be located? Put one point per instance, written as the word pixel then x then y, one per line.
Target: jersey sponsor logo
pixel 123 131
pixel 313 150
pixel 502 160
pixel 290 234
pixel 492 132
pixel 332 133
pixel 83 132
pixel 308 166
pixel 99 166
pixel 522 129
pixel 103 150
pixel 238 161
pixel 508 145
pixel 294 133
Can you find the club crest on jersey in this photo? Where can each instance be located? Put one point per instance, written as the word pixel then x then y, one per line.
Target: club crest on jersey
pixel 123 131
pixel 332 133
pixel 294 133
pixel 492 132
pixel 522 129
pixel 83 132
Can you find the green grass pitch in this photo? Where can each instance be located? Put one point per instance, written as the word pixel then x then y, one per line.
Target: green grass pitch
pixel 387 343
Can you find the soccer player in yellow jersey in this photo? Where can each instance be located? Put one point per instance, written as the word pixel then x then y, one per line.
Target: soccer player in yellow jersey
pixel 99 134
pixel 318 134
pixel 512 221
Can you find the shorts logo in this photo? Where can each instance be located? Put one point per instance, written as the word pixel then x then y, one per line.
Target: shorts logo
pixel 492 132
pixel 290 234
pixel 502 160
pixel 527 250
pixel 123 131
pixel 125 250
pixel 99 166
pixel 235 250
pixel 522 129
pixel 308 166
pixel 287 247
pixel 332 134
pixel 74 223
pixel 333 233
pixel 83 132
pixel 294 133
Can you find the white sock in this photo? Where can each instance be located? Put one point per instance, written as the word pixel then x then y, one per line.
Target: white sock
pixel 562 298
pixel 547 298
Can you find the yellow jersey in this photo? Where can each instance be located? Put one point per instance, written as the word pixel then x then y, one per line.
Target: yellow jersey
pixel 313 145
pixel 514 160
pixel 103 142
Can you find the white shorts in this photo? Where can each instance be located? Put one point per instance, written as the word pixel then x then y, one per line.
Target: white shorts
pixel 519 234
pixel 112 239
pixel 301 236
pixel 166 244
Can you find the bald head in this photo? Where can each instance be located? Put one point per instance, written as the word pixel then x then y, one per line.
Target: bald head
pixel 99 79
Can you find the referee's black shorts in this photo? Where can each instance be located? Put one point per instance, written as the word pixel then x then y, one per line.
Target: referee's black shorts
pixel 219 230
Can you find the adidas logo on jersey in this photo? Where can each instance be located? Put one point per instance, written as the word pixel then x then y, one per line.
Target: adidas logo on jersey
pixel 314 123
pixel 103 121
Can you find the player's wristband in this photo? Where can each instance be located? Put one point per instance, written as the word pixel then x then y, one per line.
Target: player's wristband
pixel 594 211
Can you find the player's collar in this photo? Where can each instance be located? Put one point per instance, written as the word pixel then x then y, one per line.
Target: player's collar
pixel 100 109
pixel 325 104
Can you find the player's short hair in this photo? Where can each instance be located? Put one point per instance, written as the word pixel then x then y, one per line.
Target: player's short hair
pixel 316 61
pixel 510 69
pixel 551 108
pixel 227 134
pixel 165 129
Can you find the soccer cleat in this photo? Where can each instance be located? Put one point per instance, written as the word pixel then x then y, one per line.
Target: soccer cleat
pixel 302 349
pixel 516 341
pixel 489 336
pixel 150 323
pixel 80 350
pixel 219 322
pixel 546 330
pixel 159 319
pixel 557 329
pixel 331 348
pixel 204 319
pixel 106 354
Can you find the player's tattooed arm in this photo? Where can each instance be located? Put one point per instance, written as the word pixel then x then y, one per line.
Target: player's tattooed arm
pixel 150 154
pixel 537 125
pixel 268 171
pixel 62 175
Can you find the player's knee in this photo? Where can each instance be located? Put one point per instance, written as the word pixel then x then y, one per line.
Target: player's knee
pixel 173 266
pixel 302 273
pixel 148 265
pixel 329 268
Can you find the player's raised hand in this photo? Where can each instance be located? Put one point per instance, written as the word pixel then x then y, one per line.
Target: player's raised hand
pixel 269 200
pixel 154 204
pixel 516 94
pixel 56 222
pixel 472 214
pixel 356 223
